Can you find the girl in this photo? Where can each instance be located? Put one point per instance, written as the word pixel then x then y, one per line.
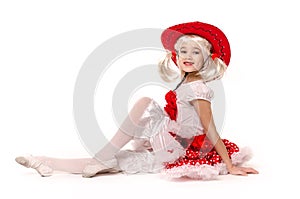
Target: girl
pixel 180 140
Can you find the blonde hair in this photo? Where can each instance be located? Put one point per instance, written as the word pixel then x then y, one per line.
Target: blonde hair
pixel 211 69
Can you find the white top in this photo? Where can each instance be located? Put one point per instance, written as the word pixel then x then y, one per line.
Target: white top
pixel 187 117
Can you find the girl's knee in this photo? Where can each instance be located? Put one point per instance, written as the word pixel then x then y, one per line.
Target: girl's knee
pixel 144 101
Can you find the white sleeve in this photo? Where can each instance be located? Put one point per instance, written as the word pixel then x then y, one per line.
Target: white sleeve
pixel 199 90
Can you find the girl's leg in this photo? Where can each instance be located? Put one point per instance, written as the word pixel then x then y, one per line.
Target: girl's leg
pixel 105 158
pixel 102 160
pixel 46 165
pixel 126 131
pixel 74 166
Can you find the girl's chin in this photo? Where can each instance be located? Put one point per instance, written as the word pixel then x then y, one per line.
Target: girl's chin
pixel 189 71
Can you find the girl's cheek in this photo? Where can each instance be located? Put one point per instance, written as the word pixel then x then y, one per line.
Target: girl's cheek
pixel 180 64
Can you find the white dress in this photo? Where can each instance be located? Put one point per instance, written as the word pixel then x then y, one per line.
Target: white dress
pixel 155 146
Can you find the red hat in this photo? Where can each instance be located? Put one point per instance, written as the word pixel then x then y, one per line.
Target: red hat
pixel 217 39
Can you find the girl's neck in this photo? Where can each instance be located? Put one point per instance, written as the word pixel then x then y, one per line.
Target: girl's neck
pixel 192 76
pixel 188 77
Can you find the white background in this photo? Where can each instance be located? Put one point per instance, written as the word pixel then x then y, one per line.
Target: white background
pixel 44 44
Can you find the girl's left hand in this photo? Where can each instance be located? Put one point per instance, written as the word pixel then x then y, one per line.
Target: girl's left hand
pixel 244 171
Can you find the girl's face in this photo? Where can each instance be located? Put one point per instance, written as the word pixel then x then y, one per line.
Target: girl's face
pixel 190 57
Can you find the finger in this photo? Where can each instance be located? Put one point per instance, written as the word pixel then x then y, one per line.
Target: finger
pixel 239 171
pixel 250 170
pixel 243 173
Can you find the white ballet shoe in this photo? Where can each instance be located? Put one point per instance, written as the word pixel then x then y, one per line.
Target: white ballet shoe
pixel 31 162
pixel 95 168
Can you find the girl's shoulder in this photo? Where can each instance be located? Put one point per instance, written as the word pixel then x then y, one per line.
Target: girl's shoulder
pixel 196 90
pixel 196 85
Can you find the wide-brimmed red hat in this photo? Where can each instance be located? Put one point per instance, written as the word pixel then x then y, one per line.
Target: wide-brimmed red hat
pixel 220 45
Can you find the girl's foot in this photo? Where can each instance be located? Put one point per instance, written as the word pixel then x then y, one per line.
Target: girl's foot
pixel 32 162
pixel 97 167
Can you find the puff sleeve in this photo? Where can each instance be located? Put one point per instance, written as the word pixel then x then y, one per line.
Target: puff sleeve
pixel 199 90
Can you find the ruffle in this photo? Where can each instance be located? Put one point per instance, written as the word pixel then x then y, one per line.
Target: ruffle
pixel 141 144
pixel 166 148
pixel 206 171
pixel 131 162
pixel 152 121
pixel 199 172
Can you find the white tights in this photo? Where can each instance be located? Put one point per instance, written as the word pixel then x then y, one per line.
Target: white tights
pixel 119 140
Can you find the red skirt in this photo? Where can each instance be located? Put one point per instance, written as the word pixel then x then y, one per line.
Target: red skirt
pixel 201 160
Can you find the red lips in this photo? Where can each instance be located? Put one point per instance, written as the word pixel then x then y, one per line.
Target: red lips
pixel 188 63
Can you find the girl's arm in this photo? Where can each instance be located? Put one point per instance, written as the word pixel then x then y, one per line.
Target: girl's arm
pixel 204 111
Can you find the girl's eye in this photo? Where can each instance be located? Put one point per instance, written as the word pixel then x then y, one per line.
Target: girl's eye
pixel 196 52
pixel 183 51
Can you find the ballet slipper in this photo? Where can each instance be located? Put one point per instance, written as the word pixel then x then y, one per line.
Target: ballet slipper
pixel 32 162
pixel 109 166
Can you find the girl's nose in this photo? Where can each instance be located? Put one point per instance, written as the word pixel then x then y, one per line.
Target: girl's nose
pixel 189 56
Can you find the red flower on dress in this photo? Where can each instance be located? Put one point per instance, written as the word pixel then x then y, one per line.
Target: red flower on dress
pixel 171 106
